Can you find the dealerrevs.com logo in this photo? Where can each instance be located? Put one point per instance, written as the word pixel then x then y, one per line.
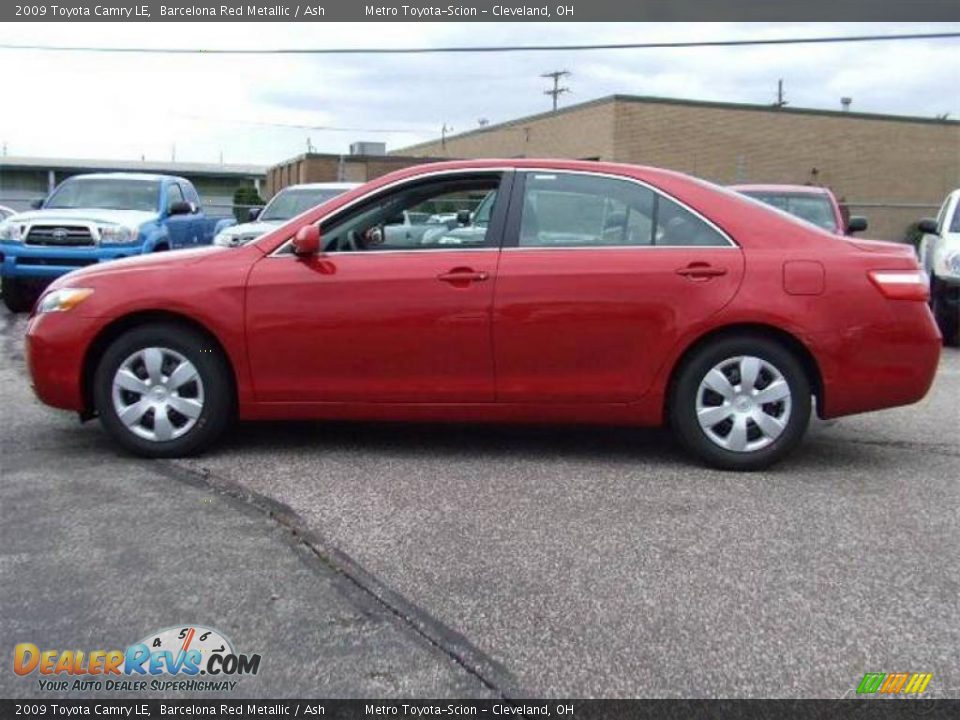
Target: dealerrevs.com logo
pixel 189 658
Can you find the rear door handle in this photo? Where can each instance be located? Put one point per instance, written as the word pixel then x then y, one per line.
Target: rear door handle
pixel 701 271
pixel 463 275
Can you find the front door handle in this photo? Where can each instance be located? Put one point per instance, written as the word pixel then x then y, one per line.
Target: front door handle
pixel 701 271
pixel 463 276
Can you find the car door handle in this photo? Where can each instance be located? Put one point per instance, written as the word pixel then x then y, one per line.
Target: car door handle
pixel 463 275
pixel 701 271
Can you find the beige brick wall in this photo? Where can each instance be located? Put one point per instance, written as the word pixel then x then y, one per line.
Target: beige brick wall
pixel 585 132
pixel 862 159
pixel 326 168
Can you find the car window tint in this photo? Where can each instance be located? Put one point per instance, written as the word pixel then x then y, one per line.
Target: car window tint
pixel 437 215
pixel 678 227
pixel 174 194
pixel 568 210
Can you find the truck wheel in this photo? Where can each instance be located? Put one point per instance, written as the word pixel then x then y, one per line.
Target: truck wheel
pixel 741 403
pixel 948 318
pixel 163 390
pixel 18 296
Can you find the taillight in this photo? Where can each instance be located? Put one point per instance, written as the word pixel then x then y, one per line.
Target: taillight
pixel 901 284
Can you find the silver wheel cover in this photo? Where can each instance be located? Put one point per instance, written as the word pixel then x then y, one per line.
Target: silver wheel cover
pixel 743 404
pixel 157 394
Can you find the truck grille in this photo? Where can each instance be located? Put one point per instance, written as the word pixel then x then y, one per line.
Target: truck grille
pixel 59 235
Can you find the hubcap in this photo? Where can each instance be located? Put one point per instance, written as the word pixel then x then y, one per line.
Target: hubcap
pixel 743 404
pixel 157 394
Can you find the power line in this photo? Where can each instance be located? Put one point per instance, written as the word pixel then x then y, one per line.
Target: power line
pixel 487 48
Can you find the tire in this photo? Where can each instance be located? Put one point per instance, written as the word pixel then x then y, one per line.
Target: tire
pixel 948 319
pixel 729 437
pixel 18 296
pixel 136 364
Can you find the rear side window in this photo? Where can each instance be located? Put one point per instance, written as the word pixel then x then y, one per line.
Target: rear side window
pixel 581 210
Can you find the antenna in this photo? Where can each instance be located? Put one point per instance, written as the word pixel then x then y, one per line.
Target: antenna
pixel 557 90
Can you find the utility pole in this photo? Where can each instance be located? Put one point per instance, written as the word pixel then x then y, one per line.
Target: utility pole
pixel 557 90
pixel 443 135
pixel 781 100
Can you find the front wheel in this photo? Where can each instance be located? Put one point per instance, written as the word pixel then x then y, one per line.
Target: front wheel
pixel 741 403
pixel 947 316
pixel 163 391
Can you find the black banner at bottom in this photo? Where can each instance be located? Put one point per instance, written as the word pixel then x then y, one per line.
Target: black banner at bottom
pixel 494 709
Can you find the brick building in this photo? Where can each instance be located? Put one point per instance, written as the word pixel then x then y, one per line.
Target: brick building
pixel 894 169
pixel 322 167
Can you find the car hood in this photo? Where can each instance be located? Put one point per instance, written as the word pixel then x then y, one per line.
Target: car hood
pixel 152 261
pixel 130 218
pixel 260 227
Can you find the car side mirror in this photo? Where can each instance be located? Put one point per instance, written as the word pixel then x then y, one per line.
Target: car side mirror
pixel 857 223
pixel 180 208
pixel 928 226
pixel 463 217
pixel 253 213
pixel 306 243
pixel 37 204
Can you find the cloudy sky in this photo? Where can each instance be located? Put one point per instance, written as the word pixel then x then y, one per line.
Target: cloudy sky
pixel 131 106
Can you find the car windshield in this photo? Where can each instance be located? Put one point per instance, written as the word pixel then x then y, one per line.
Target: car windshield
pixel 816 209
pixel 112 194
pixel 290 203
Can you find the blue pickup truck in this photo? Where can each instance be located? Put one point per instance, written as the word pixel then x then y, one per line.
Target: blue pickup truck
pixel 96 218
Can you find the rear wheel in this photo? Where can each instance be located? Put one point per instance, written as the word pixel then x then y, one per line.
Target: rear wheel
pixel 163 391
pixel 19 296
pixel 741 403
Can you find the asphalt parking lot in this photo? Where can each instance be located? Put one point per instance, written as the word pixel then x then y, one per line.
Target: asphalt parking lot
pixel 537 561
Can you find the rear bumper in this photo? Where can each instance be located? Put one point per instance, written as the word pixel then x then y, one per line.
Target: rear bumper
pixel 882 364
pixel 56 344
pixel 25 261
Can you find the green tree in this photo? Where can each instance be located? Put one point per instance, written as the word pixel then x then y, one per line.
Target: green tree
pixel 244 198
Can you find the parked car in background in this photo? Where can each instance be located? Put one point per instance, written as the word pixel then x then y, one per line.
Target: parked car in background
pixel 814 204
pixel 285 205
pixel 90 219
pixel 598 293
pixel 6 212
pixel 939 252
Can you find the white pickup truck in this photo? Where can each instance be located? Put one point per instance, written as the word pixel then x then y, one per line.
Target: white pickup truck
pixel 939 253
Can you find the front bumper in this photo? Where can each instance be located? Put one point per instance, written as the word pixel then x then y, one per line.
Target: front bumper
pixel 33 261
pixel 56 345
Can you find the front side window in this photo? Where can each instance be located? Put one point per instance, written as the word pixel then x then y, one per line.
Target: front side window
pixel 580 210
pixel 106 194
pixel 174 195
pixel 432 214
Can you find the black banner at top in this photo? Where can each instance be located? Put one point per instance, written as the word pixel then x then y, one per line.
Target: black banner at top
pixel 480 10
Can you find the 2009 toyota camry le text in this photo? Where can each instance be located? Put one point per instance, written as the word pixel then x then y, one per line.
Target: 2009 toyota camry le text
pixel 508 291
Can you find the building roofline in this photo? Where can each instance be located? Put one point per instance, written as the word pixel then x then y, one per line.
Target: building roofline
pixel 145 166
pixel 655 100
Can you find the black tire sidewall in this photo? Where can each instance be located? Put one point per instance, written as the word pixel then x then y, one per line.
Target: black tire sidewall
pixel 17 296
pixel 210 364
pixel 948 319
pixel 683 416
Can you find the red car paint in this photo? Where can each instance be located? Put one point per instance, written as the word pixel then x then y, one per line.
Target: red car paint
pixel 551 335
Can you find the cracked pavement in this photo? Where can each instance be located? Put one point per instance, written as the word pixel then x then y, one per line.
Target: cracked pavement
pixel 581 562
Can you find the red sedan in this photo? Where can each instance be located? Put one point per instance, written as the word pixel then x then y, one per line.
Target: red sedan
pixel 499 290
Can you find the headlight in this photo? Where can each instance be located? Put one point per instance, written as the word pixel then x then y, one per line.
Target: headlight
pixel 952 263
pixel 62 300
pixel 117 234
pixel 10 232
pixel 947 262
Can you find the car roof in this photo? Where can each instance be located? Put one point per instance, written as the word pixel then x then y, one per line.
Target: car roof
pixel 323 186
pixel 126 176
pixel 794 189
